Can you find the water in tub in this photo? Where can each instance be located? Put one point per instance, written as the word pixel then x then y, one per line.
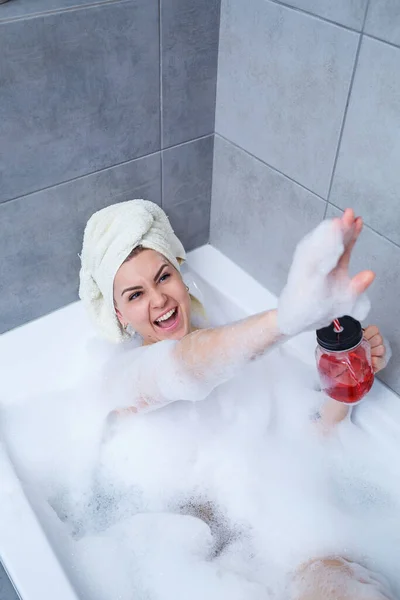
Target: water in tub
pixel 219 499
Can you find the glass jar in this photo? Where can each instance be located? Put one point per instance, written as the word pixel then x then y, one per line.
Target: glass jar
pixel 344 361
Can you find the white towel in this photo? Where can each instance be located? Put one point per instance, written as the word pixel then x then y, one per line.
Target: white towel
pixel 110 235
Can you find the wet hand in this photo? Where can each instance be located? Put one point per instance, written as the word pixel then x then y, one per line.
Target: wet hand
pixel 379 354
pixel 319 287
pixel 351 227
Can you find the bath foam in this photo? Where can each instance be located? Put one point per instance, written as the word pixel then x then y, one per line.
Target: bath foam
pixel 312 298
pixel 221 498
pixel 217 499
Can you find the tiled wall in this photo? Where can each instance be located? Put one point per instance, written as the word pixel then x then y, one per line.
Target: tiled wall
pixel 100 101
pixel 307 123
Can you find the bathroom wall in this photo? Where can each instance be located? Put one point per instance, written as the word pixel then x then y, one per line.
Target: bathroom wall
pixel 308 123
pixel 100 101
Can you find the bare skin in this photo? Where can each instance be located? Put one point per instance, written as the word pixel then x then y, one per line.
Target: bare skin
pixel 146 288
pixel 335 578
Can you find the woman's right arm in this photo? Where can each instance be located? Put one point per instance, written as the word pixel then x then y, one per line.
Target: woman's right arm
pixel 318 290
pixel 150 377
pixel 215 355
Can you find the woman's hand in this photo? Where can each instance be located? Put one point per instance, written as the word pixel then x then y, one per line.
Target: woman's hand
pixel 378 349
pixel 333 412
pixel 319 287
pixel 351 228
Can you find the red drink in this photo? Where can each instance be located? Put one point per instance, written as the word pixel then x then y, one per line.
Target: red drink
pixel 344 362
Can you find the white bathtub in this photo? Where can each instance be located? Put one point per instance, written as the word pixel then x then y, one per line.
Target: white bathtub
pixel 47 354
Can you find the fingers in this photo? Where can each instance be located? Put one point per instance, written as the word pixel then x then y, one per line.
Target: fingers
pixel 361 282
pixel 352 236
pixel 375 339
pixel 348 217
pixel 371 331
pixel 378 350
pixel 348 222
pixel 378 363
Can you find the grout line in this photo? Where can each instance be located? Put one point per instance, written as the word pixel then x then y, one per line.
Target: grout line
pixel 327 202
pixel 66 181
pixel 108 2
pixel 217 66
pixel 382 41
pixel 201 137
pixel 365 15
pixel 270 167
pixel 331 22
pixel 120 164
pixel 161 101
pixel 310 14
pixel 162 179
pixel 326 210
pixel 188 201
pixel 212 184
pixel 345 115
pixel 370 227
pixel 56 11
pixel 161 76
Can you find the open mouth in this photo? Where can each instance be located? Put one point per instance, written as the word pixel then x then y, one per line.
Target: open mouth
pixel 169 319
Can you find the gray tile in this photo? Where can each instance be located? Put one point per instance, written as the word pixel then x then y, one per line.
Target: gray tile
pixel 79 92
pixel 258 215
pixel 23 8
pixel 187 172
pixel 374 252
pixel 41 236
pixel 367 175
pixel 383 20
pixel 345 12
pixel 7 591
pixel 283 81
pixel 190 31
pixel 191 222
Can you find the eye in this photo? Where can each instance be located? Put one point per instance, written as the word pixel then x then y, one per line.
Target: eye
pixel 164 277
pixel 134 296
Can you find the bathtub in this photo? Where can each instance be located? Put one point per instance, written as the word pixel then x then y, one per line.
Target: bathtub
pixel 47 353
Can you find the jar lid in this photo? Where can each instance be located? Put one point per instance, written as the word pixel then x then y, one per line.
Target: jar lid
pixel 351 336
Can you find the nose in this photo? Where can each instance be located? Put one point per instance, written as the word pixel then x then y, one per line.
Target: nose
pixel 157 298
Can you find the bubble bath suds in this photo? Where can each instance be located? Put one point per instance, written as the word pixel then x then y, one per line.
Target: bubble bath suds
pixel 219 499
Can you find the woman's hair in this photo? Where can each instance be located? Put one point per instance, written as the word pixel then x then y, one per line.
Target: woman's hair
pixel 137 250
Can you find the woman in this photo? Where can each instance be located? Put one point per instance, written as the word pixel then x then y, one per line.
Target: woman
pixel 130 283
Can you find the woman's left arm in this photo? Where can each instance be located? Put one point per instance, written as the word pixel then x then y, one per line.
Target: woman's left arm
pixel 333 412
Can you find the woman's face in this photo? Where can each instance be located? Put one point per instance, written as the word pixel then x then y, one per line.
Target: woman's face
pixel 149 295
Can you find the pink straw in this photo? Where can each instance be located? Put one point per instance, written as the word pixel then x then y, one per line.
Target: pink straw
pixel 337 326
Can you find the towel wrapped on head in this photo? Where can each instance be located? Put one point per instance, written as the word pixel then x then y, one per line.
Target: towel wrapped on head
pixel 110 236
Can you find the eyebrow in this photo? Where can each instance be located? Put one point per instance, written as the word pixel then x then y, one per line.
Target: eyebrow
pixel 139 287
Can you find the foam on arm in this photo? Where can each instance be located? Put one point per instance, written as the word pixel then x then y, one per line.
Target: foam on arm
pixel 191 368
